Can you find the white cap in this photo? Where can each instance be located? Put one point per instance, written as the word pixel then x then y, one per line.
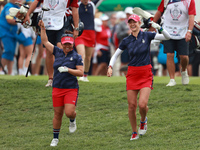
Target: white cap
pixel 120 14
pixel 97 24
pixel 104 17
pixel 128 10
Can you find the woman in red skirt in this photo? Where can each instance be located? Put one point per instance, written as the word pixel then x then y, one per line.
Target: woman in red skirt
pixel 139 79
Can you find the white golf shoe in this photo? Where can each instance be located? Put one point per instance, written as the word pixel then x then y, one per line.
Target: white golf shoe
pixel 54 142
pixel 72 126
pixel 134 136
pixel 2 73
pixel 172 82
pixel 84 79
pixel 185 77
pixel 143 127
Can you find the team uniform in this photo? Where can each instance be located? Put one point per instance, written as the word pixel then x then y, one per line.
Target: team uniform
pixel 54 19
pixel 176 18
pixel 8 33
pixel 86 15
pixel 65 85
pixel 139 68
pixel 139 78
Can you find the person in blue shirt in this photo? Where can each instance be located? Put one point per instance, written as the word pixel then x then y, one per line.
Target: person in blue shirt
pixel 139 78
pixel 8 28
pixel 67 65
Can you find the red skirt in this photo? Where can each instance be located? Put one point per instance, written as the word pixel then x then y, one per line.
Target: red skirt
pixel 139 77
pixel 87 38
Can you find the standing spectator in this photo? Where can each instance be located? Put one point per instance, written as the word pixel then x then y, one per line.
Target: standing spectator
pixel 115 19
pixel 154 48
pixel 39 50
pixel 103 46
pixel 8 28
pixel 36 67
pixel 98 28
pixel 86 42
pixel 122 32
pixel 139 78
pixel 2 4
pixel 54 22
pixel 179 22
pixel 112 21
pixel 68 64
pixel 26 38
pixel 1 51
pixel 114 42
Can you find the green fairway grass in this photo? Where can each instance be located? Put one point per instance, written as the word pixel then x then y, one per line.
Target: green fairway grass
pixel 26 115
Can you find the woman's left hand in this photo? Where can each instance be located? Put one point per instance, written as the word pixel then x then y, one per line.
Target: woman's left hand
pixel 188 36
pixel 63 69
pixel 109 72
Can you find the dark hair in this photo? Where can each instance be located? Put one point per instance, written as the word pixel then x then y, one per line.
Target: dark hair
pixel 69 35
pixel 68 32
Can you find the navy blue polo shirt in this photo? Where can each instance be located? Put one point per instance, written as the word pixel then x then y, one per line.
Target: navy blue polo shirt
pixel 86 15
pixel 138 48
pixel 65 80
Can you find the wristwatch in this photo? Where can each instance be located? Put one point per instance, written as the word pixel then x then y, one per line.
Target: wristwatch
pixel 77 29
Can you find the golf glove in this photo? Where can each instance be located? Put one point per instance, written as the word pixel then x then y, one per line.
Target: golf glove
pixel 23 10
pixel 156 26
pixel 63 69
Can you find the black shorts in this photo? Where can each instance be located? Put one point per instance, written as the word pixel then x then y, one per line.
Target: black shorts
pixel 104 57
pixel 54 36
pixel 180 46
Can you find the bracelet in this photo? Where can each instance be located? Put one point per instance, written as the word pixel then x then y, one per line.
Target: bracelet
pixel 189 31
pixel 110 67
pixel 77 29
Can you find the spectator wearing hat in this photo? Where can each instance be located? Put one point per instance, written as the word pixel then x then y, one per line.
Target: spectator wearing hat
pixel 67 65
pixel 122 32
pixel 129 12
pixel 139 78
pixel 103 46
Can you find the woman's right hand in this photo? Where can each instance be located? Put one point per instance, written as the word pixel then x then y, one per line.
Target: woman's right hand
pixel 109 72
pixel 41 24
pixel 27 19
